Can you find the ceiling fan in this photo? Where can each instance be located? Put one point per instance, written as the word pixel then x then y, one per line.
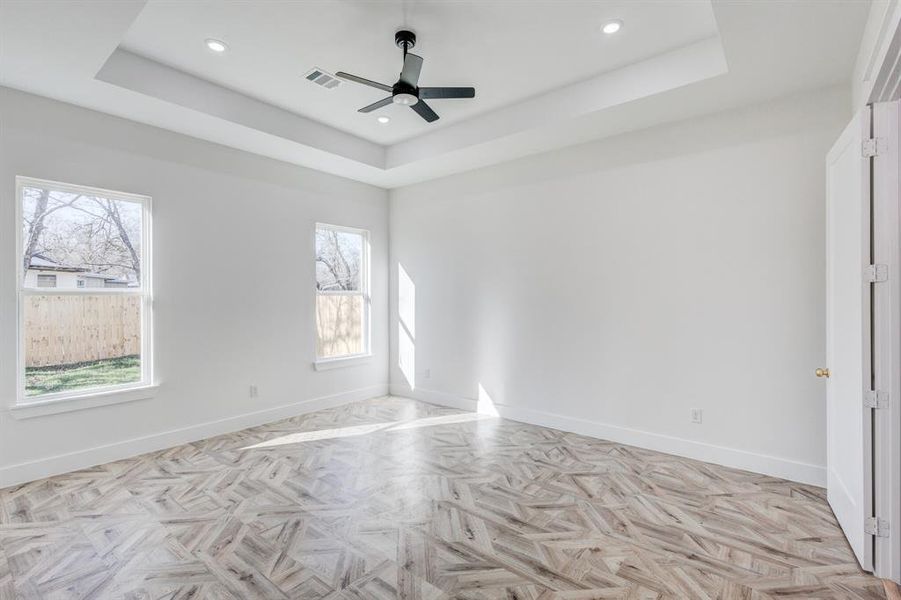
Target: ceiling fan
pixel 406 91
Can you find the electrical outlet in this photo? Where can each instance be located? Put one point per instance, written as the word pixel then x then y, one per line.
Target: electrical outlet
pixel 254 392
pixel 696 415
pixel 427 373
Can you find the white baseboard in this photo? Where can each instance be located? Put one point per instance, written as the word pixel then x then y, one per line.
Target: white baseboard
pixel 720 455
pixel 64 463
pixel 433 397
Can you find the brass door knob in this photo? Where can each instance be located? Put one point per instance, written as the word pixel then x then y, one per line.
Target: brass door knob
pixel 822 372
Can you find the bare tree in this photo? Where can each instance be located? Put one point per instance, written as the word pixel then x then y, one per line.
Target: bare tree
pixel 112 212
pixel 93 233
pixel 35 228
pixel 332 255
pixel 44 206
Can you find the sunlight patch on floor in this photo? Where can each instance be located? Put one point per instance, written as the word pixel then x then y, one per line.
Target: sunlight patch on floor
pixel 357 430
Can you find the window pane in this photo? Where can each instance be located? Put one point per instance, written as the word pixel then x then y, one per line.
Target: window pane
pixel 339 260
pixel 339 323
pixel 80 238
pixel 81 341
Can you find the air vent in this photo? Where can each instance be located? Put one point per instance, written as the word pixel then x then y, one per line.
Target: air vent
pixel 320 77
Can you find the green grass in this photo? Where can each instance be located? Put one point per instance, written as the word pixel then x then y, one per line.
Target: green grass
pixel 65 378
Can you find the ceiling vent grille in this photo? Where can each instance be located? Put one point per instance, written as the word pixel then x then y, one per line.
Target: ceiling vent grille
pixel 320 77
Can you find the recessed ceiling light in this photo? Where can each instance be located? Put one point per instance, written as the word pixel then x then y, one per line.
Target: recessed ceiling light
pixel 216 45
pixel 383 120
pixel 612 27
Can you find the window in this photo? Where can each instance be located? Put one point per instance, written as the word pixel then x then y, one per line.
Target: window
pixel 46 281
pixel 342 292
pixel 80 338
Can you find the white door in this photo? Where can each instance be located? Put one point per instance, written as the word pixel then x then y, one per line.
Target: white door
pixel 849 422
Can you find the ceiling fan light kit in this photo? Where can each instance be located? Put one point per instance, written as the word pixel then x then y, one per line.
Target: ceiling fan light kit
pixel 406 92
pixel 405 98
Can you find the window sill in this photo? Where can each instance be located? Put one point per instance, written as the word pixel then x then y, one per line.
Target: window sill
pixel 339 363
pixel 40 408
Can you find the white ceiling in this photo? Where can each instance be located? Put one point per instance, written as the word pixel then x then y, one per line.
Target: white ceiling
pixel 545 75
pixel 507 50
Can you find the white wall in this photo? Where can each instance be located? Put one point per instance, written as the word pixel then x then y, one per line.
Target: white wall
pixel 611 287
pixel 233 283
pixel 605 288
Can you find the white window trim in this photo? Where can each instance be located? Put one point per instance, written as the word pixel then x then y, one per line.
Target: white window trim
pixel 351 360
pixel 348 360
pixel 25 406
pixel 103 397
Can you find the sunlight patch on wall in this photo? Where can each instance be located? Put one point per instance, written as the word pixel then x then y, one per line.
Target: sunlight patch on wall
pixel 486 404
pixel 406 300
pixel 406 326
pixel 406 355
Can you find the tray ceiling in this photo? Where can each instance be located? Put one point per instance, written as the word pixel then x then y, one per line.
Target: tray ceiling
pixel 545 74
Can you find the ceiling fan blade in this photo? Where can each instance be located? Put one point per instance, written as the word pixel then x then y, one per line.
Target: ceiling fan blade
pixel 447 92
pixel 364 81
pixel 377 105
pixel 425 111
pixel 412 67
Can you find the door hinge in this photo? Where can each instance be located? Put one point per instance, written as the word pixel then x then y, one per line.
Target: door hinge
pixel 875 527
pixel 869 148
pixel 876 399
pixel 876 273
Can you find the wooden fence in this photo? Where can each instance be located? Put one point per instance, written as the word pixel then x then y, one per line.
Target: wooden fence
pixel 61 330
pixel 339 321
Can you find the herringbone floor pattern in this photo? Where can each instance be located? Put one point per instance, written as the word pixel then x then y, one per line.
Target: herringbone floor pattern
pixel 392 498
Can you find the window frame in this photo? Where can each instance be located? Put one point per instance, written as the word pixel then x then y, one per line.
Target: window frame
pixel 45 276
pixel 90 396
pixel 323 363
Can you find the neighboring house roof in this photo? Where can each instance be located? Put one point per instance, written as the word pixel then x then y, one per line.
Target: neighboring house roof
pixel 42 263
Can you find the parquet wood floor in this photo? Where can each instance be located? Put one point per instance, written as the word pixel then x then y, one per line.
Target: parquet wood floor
pixel 392 498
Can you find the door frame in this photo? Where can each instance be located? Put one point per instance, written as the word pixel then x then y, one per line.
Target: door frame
pixel 880 83
pixel 886 319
